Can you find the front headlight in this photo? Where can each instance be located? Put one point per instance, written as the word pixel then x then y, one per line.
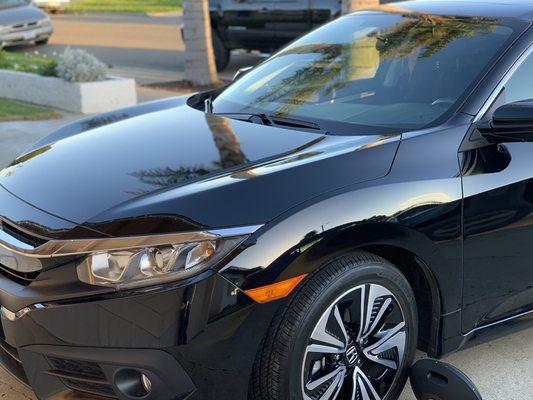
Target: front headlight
pixel 45 21
pixel 124 269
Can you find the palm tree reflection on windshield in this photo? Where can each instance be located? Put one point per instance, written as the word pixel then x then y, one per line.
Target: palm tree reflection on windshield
pixel 230 155
pixel 336 65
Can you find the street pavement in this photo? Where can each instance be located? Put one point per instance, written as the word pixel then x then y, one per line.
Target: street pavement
pixel 150 49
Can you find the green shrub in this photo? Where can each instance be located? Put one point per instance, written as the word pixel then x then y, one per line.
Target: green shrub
pixel 80 66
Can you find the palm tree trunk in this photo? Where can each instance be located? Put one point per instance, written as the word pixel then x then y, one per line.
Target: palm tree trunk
pixel 349 6
pixel 200 67
pixel 227 142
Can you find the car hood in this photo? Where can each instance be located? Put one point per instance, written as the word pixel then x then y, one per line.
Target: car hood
pixel 182 169
pixel 13 15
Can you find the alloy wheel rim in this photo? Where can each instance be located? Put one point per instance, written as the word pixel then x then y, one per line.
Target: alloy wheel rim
pixel 357 347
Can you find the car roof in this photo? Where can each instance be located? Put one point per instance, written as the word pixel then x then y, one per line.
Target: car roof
pixel 520 9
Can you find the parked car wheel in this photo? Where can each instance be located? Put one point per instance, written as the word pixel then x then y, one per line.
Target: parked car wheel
pixel 350 332
pixel 42 42
pixel 222 53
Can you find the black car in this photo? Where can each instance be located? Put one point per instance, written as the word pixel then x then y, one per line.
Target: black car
pixel 267 25
pixel 365 192
pixel 264 25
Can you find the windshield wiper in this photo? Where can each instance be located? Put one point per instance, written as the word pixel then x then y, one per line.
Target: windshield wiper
pixel 272 120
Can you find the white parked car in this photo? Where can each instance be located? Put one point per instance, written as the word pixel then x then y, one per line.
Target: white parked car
pixel 22 23
pixel 52 4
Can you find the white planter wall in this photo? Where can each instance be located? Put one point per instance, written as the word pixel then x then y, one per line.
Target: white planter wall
pixel 84 98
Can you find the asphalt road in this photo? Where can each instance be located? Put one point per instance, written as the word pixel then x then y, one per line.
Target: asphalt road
pixel 151 49
pixel 148 48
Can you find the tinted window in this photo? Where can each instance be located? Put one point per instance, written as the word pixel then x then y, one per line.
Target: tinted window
pixel 520 86
pixel 13 3
pixel 383 70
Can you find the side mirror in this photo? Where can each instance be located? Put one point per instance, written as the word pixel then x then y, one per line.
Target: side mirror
pixel 512 122
pixel 435 380
pixel 241 72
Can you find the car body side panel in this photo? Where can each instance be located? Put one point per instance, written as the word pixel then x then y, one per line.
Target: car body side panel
pixel 417 207
pixel 498 236
pixel 497 208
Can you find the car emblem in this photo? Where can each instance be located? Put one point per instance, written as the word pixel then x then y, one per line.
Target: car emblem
pixel 352 355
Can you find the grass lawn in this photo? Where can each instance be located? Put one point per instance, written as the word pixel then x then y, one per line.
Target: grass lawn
pixel 127 6
pixel 33 63
pixel 15 111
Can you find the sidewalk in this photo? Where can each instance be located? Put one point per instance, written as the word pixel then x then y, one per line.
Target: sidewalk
pixel 17 136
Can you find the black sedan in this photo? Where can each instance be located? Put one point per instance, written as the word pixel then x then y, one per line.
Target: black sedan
pixel 365 192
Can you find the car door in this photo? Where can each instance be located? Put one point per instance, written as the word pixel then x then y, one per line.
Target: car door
pixel 498 216
pixel 265 24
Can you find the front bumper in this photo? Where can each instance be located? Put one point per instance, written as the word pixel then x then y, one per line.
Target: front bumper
pixel 197 341
pixel 26 36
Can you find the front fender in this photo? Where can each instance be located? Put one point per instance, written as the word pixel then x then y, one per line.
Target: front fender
pixel 405 215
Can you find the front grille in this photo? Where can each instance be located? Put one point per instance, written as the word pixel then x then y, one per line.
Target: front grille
pixel 22 278
pixel 96 388
pixel 9 358
pixel 24 26
pixel 21 235
pixel 85 368
pixel 81 376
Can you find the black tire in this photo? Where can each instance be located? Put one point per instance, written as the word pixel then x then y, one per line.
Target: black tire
pixel 222 53
pixel 42 42
pixel 278 370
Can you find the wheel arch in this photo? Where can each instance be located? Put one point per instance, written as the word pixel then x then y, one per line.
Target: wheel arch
pixel 409 250
pixel 396 244
pixel 425 288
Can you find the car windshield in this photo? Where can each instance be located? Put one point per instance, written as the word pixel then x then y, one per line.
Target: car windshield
pixel 375 70
pixel 13 3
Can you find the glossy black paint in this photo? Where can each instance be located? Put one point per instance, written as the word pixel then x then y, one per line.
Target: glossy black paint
pixel 194 167
pixel 199 325
pixel 453 213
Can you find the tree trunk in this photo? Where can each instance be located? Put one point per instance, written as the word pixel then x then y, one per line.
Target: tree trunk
pixel 227 142
pixel 200 67
pixel 349 6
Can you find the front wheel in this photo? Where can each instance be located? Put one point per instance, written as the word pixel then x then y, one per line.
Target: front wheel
pixel 349 333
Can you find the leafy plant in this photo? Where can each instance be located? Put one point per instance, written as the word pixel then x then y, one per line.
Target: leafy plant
pixel 80 66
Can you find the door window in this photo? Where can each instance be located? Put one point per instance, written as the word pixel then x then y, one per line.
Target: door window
pixel 520 86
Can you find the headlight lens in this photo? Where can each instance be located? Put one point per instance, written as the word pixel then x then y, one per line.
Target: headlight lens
pixel 123 269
